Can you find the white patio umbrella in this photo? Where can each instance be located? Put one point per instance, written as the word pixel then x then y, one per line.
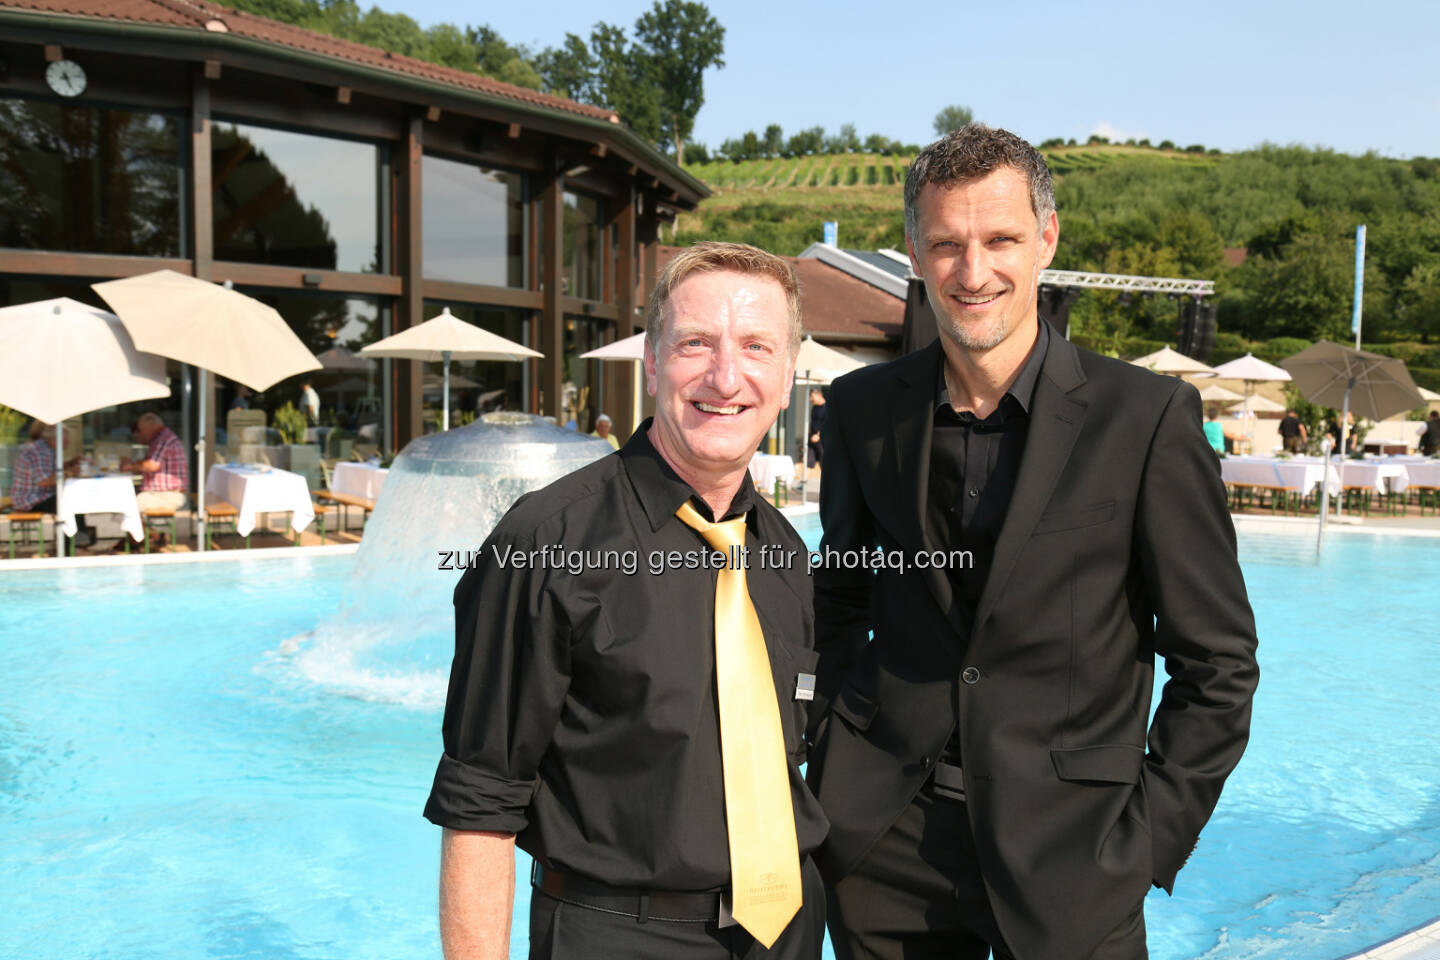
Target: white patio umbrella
pixel 816 363
pixel 64 358
pixel 1214 393
pixel 630 348
pixel 444 338
pixel 1252 370
pixel 1173 363
pixel 212 327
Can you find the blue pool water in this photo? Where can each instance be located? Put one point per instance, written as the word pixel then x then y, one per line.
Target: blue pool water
pixel 193 762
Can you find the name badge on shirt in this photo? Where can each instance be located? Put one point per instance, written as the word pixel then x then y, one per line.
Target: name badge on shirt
pixel 805 686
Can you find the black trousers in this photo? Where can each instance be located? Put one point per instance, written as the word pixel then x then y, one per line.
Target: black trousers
pixel 564 931
pixel 918 895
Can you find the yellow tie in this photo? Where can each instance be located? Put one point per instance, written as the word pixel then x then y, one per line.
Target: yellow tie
pixel 764 855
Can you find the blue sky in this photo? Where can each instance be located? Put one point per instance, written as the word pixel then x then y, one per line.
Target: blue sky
pixel 1352 77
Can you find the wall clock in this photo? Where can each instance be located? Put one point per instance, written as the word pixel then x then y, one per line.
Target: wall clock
pixel 66 78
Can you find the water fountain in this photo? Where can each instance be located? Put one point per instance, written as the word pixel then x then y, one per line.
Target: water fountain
pixel 394 637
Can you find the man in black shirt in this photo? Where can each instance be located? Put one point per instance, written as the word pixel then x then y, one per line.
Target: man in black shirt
pixel 1430 434
pixel 818 413
pixel 1293 433
pixel 583 721
pixel 992 777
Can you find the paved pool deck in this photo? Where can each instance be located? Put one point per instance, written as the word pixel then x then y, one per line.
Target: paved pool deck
pixel 1422 943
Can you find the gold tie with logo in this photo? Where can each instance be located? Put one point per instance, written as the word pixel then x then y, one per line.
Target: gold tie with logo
pixel 764 854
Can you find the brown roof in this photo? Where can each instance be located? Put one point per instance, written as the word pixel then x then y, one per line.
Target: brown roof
pixel 211 17
pixel 835 305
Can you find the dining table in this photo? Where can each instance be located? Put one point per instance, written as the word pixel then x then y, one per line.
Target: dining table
pixel 358 479
pixel 255 489
pixel 107 493
pixel 1304 474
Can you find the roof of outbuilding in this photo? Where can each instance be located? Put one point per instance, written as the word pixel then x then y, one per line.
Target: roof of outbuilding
pixel 835 305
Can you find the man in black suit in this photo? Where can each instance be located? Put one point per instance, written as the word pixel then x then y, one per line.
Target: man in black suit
pixel 1061 521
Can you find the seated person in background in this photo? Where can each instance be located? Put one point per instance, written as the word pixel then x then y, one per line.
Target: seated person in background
pixel 602 430
pixel 1214 432
pixel 33 488
pixel 165 472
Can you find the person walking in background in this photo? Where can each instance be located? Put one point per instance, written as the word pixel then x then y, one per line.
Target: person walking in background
pixel 309 403
pixel 817 423
pixel 1214 431
pixel 1293 433
pixel 985 763
pixel 1430 435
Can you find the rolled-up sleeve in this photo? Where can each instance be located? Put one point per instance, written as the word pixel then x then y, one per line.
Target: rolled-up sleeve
pixel 507 686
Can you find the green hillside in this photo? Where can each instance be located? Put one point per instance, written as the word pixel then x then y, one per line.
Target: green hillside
pixel 1287 215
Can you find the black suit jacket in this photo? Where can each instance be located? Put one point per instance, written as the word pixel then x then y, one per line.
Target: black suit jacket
pixel 1117 546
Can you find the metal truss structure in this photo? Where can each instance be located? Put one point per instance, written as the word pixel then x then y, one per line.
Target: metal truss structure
pixel 1115 281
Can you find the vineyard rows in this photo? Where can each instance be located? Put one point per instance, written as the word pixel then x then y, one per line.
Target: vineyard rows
pixel 874 170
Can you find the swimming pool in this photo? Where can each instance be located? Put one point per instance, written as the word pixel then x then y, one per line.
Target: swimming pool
pixel 188 766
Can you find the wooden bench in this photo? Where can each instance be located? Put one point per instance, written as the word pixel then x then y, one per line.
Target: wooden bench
pixel 345 501
pixel 154 516
pixel 1427 496
pixel 219 512
pixel 1289 496
pixel 27 523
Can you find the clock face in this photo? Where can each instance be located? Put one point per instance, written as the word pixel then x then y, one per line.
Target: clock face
pixel 65 78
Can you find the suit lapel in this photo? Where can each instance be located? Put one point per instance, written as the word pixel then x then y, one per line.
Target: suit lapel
pixel 912 418
pixel 1055 421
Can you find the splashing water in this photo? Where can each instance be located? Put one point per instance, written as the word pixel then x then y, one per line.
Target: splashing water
pixel 393 637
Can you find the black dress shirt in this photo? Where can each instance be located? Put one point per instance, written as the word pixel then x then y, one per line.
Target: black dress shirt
pixel 582 713
pixel 973 467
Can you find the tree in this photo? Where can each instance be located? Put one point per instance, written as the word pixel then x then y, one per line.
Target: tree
pixel 682 40
pixel 774 140
pixel 497 59
pixel 626 82
pixel 1420 300
pixel 568 71
pixel 952 118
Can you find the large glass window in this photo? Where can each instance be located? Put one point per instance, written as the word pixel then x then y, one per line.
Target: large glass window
pixel 480 386
pixel 89 180
pixel 584 219
pixel 582 385
pixel 473 223
pixel 295 199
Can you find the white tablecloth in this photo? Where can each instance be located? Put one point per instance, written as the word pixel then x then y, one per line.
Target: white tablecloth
pixel 254 491
pixel 113 494
pixel 358 480
pixel 766 468
pixel 1423 473
pixel 1298 474
pixel 1359 473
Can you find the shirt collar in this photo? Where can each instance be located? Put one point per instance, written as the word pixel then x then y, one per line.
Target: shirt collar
pixel 1023 389
pixel 660 489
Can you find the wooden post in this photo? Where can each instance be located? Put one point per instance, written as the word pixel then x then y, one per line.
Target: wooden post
pixel 622 407
pixel 552 319
pixel 649 236
pixel 202 243
pixel 409 375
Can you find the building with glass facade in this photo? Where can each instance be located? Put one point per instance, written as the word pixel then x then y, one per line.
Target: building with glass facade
pixel 356 191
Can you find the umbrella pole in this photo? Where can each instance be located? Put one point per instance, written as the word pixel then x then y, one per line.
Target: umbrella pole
pixel 1324 495
pixel 200 468
pixel 805 445
pixel 59 485
pixel 1344 416
pixel 445 400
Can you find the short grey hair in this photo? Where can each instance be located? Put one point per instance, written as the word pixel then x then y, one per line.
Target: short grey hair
pixel 710 256
pixel 972 153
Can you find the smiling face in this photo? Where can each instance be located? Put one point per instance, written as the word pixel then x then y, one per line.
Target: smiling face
pixel 980 251
pixel 720 371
